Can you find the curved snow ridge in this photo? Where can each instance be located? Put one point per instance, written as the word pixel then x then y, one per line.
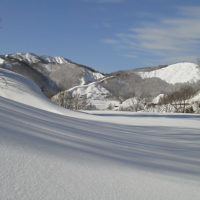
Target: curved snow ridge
pixel 2 61
pixel 176 73
pixel 91 77
pixel 33 58
pixel 18 88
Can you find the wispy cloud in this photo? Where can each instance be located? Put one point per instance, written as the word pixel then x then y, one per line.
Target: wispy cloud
pixel 130 55
pixel 108 41
pixel 169 39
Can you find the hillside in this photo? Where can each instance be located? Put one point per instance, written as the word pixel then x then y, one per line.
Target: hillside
pixel 176 73
pixel 150 82
pixel 96 96
pixel 51 74
pixel 58 75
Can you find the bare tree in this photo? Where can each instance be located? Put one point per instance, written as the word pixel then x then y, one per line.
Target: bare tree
pixel 180 99
pixel 110 106
pixel 135 104
pixel 73 102
pixel 63 99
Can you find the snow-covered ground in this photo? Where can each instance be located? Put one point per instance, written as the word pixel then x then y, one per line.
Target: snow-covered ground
pixel 176 73
pixel 93 155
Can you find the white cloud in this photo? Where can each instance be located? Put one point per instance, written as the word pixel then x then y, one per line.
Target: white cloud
pixel 167 38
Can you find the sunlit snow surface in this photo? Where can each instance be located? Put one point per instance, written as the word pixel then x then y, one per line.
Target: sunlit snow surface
pixel 176 73
pixel 91 76
pixel 100 155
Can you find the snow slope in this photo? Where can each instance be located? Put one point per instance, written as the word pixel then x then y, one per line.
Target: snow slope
pixel 91 77
pixel 95 94
pixel 1 61
pixel 176 73
pixel 100 155
pixel 19 88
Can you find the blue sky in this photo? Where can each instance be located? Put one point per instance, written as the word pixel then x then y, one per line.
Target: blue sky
pixel 107 35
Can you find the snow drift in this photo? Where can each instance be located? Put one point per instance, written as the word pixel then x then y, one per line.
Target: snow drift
pixel 100 155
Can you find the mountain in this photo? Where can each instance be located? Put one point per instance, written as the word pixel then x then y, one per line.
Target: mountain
pixel 51 74
pixel 58 77
pixel 150 82
pixel 30 58
pixel 176 73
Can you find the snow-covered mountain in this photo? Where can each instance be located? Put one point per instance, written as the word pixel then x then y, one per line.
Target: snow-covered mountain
pixel 30 58
pixel 176 73
pixel 48 152
pixel 58 74
pixel 51 74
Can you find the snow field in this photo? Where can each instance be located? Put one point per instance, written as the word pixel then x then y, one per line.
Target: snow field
pixel 48 152
pixel 49 156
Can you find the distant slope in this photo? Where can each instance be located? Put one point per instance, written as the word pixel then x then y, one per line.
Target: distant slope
pixel 33 58
pixel 152 81
pixel 176 73
pixel 56 74
pixel 93 93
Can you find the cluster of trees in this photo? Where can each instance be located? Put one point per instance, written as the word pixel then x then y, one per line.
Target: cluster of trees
pixel 72 101
pixel 177 101
pixel 133 105
pixel 111 106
